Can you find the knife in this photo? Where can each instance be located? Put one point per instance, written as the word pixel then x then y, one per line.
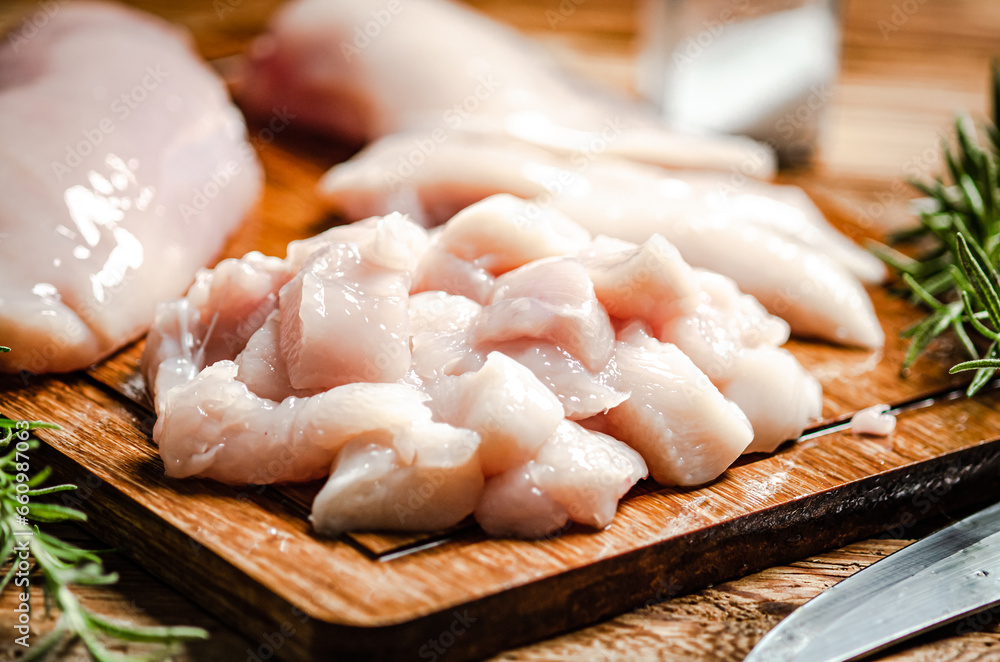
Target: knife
pixel 947 575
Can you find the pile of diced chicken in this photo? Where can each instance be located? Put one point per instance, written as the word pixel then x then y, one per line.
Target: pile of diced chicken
pixel 506 365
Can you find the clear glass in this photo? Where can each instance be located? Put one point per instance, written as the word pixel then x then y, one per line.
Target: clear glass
pixel 763 68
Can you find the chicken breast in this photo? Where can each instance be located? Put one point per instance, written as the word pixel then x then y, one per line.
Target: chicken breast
pixel 130 172
pixel 447 69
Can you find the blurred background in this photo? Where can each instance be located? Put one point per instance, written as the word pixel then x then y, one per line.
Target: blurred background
pixel 905 66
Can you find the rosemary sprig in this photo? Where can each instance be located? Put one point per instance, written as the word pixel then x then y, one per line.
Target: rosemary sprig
pixel 957 247
pixel 59 564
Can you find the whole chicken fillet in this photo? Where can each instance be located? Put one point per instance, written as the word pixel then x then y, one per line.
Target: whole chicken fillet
pixel 126 168
pixel 364 69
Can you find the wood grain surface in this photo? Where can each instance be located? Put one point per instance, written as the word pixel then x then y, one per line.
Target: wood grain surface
pixel 249 557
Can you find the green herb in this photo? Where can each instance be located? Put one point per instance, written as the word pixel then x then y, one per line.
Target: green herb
pixel 957 246
pixel 59 564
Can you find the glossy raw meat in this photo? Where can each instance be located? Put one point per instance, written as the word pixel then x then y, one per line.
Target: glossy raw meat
pixel 214 427
pixel 439 340
pixel 726 334
pixel 577 475
pixel 476 407
pixel 552 300
pixel 685 429
pixel 504 232
pixel 373 487
pixel 125 166
pixel 221 312
pixel 506 404
pixel 437 67
pixel 777 395
pixel 583 393
pixel 770 239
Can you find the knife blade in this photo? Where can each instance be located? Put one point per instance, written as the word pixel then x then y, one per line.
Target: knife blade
pixel 818 627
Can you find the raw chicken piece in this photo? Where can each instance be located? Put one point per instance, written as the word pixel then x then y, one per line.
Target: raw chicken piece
pixel 221 311
pixel 503 232
pixel 372 487
pixel 504 402
pixel 300 250
pixel 649 281
pixel 551 300
pixel 344 316
pixel 770 240
pixel 126 174
pixel 439 335
pixel 777 395
pixel 261 365
pixel 720 326
pixel 441 312
pixel 440 270
pixel 214 427
pixel 592 472
pixel 337 330
pixel 577 474
pixel 439 327
pixel 685 429
pixel 233 300
pixel 734 341
pixel 445 69
pixel 582 393
pixel 513 506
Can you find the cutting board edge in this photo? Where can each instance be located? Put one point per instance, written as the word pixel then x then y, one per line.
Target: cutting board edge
pixel 962 474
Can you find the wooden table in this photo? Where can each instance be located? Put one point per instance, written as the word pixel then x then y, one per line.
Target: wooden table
pixel 907 66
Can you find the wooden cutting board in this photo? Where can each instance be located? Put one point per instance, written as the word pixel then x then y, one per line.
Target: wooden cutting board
pixel 250 556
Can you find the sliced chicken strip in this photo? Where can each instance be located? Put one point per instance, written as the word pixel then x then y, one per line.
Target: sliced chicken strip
pixel 125 174
pixel 446 69
pixel 786 260
pixel 468 169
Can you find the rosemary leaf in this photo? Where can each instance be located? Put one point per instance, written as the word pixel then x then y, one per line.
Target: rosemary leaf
pixel 59 564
